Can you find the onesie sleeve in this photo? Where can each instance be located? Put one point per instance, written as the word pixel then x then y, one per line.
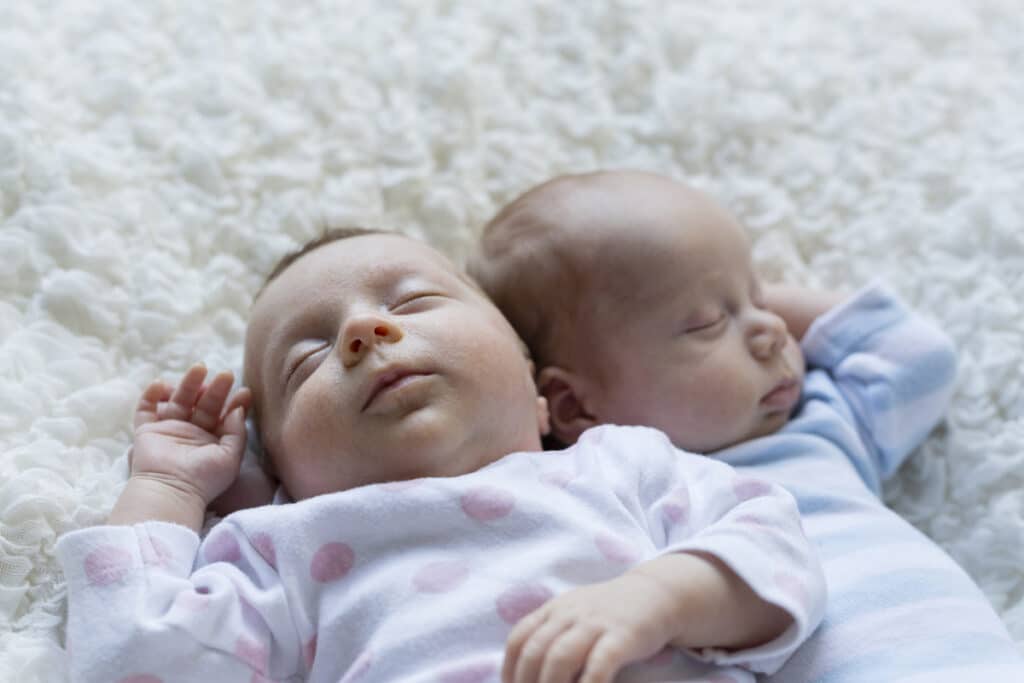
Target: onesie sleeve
pixel 143 605
pixel 693 503
pixel 893 369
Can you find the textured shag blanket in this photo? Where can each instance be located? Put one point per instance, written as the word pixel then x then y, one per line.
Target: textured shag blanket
pixel 156 158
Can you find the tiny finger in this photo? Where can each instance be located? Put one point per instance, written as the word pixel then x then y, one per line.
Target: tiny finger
pixel 567 654
pixel 152 396
pixel 517 638
pixel 231 432
pixel 165 410
pixel 183 400
pixel 535 649
pixel 241 399
pixel 607 656
pixel 207 413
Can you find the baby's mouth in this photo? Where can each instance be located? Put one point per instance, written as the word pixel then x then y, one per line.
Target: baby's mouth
pixel 389 380
pixel 783 395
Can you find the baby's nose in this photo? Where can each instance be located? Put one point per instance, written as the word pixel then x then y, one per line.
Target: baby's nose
pixel 364 332
pixel 767 335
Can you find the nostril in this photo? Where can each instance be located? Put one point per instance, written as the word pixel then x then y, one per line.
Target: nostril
pixel 380 331
pixel 355 345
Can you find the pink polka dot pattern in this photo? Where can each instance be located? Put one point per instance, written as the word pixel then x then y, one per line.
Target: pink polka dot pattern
pixel 518 601
pixel 794 588
pixel 309 652
pixel 676 508
pixel 440 577
pixel 253 653
pixel 615 549
pixel 156 552
pixel 141 678
pixel 331 562
pixel 222 547
pixel 476 672
pixel 359 668
pixel 264 545
pixel 107 564
pixel 746 489
pixel 487 503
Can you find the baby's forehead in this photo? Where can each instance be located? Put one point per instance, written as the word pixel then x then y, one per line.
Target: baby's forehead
pixel 362 261
pixel 343 269
pixel 365 266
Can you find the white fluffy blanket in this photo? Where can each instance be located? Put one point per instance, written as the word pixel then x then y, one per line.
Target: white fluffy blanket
pixel 157 157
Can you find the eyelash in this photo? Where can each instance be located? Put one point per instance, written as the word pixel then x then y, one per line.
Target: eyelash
pixel 705 326
pixel 412 298
pixel 402 303
pixel 298 363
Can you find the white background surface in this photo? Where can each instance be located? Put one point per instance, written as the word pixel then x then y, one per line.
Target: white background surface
pixel 156 158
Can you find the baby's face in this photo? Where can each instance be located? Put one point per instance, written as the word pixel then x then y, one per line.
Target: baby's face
pixel 685 343
pixel 371 359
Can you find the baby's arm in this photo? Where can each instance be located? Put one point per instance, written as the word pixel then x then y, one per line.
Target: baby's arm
pixel 799 306
pixel 187 448
pixel 686 600
pixel 737 581
pixel 145 598
pixel 894 372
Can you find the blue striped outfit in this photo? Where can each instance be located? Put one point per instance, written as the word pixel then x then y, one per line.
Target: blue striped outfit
pixel 899 608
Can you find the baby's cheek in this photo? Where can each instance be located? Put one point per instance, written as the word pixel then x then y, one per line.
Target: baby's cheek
pixel 304 430
pixel 795 357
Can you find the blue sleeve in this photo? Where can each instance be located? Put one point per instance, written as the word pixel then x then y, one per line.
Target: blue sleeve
pixel 893 369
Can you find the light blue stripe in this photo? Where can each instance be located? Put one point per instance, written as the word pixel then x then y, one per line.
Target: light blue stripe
pixel 919 657
pixel 882 532
pixel 931 372
pixel 899 588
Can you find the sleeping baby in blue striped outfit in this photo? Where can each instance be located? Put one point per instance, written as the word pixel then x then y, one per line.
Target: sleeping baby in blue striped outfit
pixel 638 299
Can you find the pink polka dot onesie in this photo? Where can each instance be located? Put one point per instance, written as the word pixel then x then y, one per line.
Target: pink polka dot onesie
pixel 423 580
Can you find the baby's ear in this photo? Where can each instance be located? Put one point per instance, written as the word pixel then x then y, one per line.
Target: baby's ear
pixel 543 416
pixel 567 403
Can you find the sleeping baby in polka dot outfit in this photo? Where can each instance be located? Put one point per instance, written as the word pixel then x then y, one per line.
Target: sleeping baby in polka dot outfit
pixel 421 533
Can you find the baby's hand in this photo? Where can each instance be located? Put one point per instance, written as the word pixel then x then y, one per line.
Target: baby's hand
pixel 590 633
pixel 190 437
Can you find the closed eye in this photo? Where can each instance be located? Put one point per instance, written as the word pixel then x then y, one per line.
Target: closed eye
pixel 295 365
pixel 417 302
pixel 704 326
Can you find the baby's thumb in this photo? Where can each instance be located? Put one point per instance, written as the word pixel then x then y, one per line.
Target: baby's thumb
pixel 232 430
pixel 241 399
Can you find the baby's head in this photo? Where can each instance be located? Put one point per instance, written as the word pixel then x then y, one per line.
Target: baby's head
pixel 638 299
pixel 371 358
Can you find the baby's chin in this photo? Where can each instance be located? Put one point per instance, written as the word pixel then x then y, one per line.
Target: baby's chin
pixel 764 426
pixel 769 425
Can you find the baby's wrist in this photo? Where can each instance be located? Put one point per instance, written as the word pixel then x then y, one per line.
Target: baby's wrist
pixel 698 597
pixel 152 497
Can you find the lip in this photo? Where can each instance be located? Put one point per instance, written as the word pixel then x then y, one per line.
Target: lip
pixel 387 380
pixel 783 395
